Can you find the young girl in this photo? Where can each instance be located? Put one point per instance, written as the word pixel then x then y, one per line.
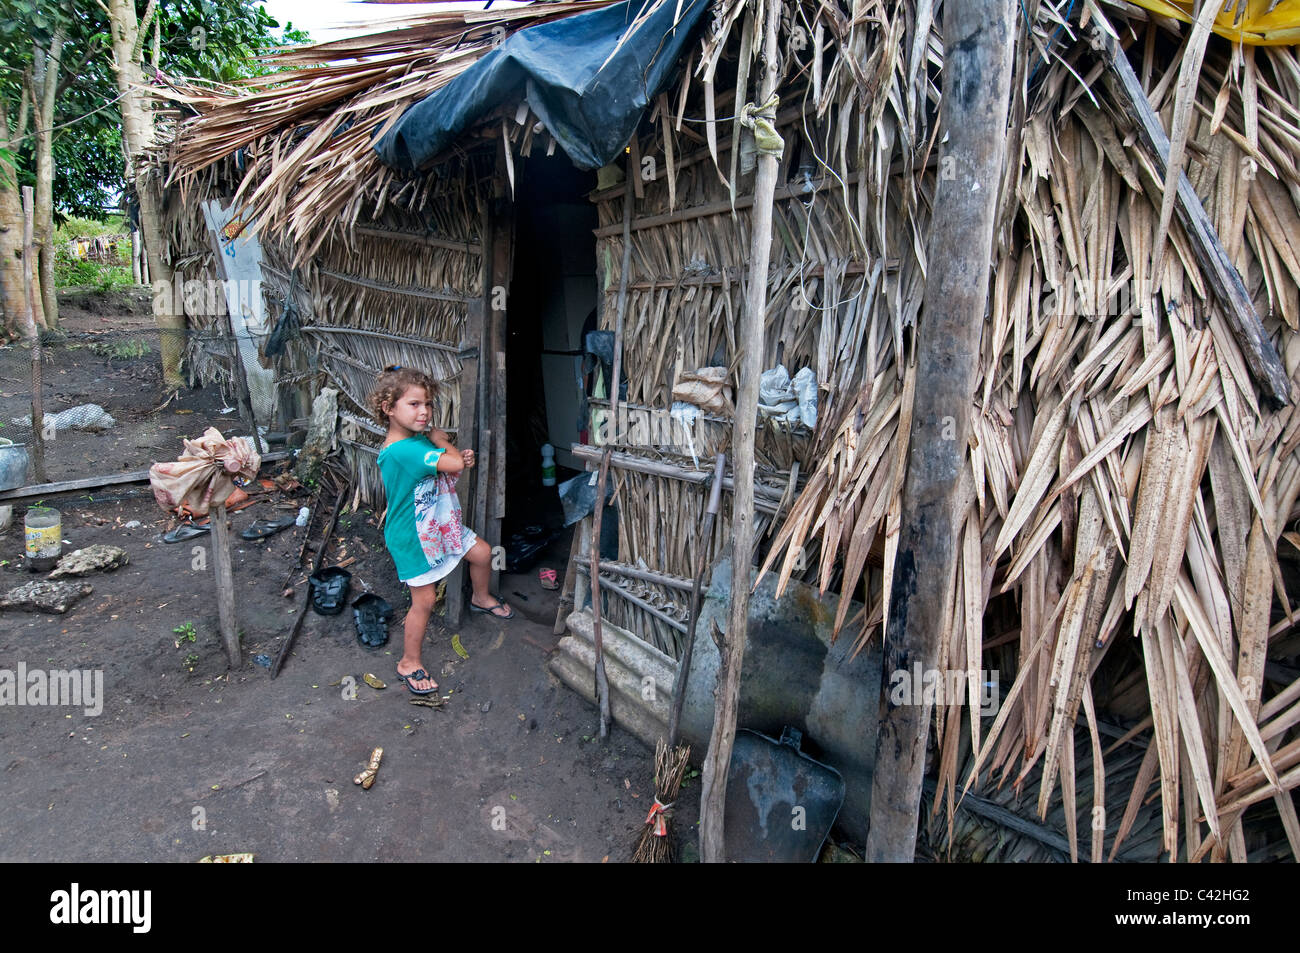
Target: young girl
pixel 423 528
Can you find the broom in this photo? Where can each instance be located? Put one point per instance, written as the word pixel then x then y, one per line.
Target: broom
pixel 654 846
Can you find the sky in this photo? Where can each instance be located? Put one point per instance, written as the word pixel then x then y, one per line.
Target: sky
pixel 324 19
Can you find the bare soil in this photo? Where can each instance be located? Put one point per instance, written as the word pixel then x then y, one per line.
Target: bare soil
pixel 188 759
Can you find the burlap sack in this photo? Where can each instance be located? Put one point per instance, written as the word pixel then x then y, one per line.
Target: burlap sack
pixel 707 389
pixel 205 474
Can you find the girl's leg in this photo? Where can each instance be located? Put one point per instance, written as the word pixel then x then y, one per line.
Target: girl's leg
pixel 479 558
pixel 417 619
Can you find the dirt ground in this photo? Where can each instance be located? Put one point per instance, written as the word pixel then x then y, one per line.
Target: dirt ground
pixel 184 763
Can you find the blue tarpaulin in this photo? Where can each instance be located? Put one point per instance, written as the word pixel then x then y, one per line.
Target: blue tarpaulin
pixel 590 109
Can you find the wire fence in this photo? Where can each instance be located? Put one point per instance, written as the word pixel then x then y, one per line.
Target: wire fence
pixel 106 408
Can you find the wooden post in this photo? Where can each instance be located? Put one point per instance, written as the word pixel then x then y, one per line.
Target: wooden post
pixel 726 694
pixel 483 435
pixel 602 680
pixel 225 584
pixel 494 368
pixel 979 39
pixel 615 378
pixel 469 486
pixel 34 335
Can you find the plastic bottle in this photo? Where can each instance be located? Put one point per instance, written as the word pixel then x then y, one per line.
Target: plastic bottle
pixel 43 527
pixel 548 465
pixel 304 513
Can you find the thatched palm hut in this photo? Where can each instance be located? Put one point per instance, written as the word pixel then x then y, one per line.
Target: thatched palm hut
pixel 1127 560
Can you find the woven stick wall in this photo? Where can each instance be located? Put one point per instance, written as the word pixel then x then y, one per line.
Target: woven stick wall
pixel 1126 482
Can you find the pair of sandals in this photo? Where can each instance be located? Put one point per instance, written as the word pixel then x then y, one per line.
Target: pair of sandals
pixel 258 529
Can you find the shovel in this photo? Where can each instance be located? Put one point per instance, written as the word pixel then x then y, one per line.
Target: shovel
pixel 780 802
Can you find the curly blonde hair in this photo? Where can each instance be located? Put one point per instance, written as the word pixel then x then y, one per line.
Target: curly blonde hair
pixel 395 381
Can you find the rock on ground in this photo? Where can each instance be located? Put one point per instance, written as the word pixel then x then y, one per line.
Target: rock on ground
pixel 44 596
pixel 96 558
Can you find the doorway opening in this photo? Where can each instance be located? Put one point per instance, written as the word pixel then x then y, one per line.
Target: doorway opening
pixel 553 294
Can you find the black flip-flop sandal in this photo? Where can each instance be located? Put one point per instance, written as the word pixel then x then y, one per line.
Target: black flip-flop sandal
pixel 261 529
pixel 491 610
pixel 418 675
pixel 186 531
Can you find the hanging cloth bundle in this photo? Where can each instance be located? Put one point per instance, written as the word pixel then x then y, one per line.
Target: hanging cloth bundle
pixel 205 474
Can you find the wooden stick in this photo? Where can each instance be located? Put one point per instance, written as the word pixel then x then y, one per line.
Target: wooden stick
pixel 283 654
pixel 38 490
pixel 979 41
pixel 749 338
pixel 638 602
pixel 724 207
pixel 593 573
pixel 602 681
pixel 470 248
pixel 766 499
pixel 645 575
pixel 34 333
pixel 1223 277
pixel 467 411
pixel 383 335
pixel 225 585
pixel 568 590
pixel 392 289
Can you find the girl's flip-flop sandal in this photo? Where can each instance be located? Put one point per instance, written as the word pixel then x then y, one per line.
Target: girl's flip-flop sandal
pixel 418 675
pixel 548 579
pixel 491 610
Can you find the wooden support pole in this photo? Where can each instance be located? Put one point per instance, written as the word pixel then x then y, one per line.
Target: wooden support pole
pixel 493 363
pixel 225 585
pixel 713 795
pixel 979 39
pixel 1220 273
pixel 465 424
pixel 593 573
pixel 287 646
pixel 34 336
pixel 602 680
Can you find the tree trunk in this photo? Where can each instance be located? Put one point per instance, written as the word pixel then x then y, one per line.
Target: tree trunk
pixel 46 84
pixel 978 41
pixel 12 295
pixel 717 761
pixel 138 131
